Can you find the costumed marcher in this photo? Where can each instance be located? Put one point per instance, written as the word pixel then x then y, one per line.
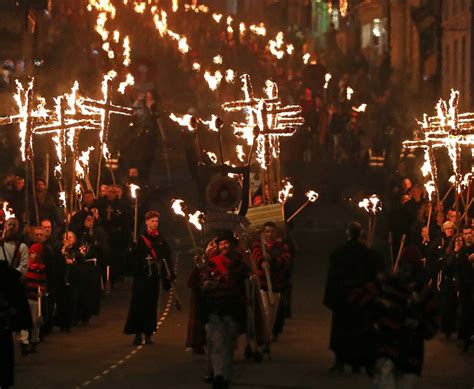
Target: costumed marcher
pixel 67 283
pixel 35 280
pixel 13 250
pixel 273 262
pixel 88 263
pixel 351 266
pixel 223 288
pixel 14 316
pixel 150 255
pixel 465 286
pixel 405 313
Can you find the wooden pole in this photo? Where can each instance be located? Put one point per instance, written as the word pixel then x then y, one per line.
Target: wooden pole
pixel 400 250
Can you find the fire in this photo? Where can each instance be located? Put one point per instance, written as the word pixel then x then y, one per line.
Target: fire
pixel 126 51
pixel 349 92
pixel 196 66
pixel 306 58
pixel 195 219
pixel 8 212
pixel 62 199
pixel 217 60
pixel 212 123
pixel 259 29
pixel 360 108
pixel 133 190
pixel 213 80
pixel 343 7
pixel 175 6
pixel 430 189
pixel 327 78
pixel 230 76
pixel 217 17
pixel 242 28
pixel 185 121
pixel 312 196
pixel 129 81
pixel 178 207
pixel 212 156
pixel 286 192
pixel 240 153
pixel 426 168
pixel 373 204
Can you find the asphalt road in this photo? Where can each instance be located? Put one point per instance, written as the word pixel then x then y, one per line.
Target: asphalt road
pixel 100 356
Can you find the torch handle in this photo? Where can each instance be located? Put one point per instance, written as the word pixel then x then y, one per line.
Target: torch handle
pixel 135 220
pixel 298 211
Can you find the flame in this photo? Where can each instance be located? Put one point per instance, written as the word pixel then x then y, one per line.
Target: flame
pixel 178 207
pixel 78 189
pixel 343 7
pixel 290 49
pixel 62 199
pixel 8 212
pixel 116 37
pixel 259 29
pixel 126 51
pixel 427 168
pixel 467 178
pixel 129 81
pixel 213 80
pixel 242 28
pixel 212 156
pixel 175 6
pixel 349 92
pixel 372 204
pixel 212 124
pixel 312 196
pixel 196 66
pixel 217 60
pixel 360 108
pixel 195 219
pixel 184 121
pixel 327 78
pixel 217 17
pixel 430 189
pixel 230 76
pixel 133 190
pixel 306 58
pixel 240 152
pixel 286 192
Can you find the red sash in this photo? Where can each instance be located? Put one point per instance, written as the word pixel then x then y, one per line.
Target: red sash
pixel 152 250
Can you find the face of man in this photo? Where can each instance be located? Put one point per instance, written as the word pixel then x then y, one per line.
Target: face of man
pixel 133 172
pixel 88 221
pixel 451 216
pixel 111 193
pixel 449 231
pixel 103 190
pixel 40 186
pixel 270 234
pixel 152 224
pixel 40 235
pixel 415 193
pixel 406 184
pixel 224 247
pixel 88 199
pixel 69 238
pixel 467 236
pixel 19 183
pixel 12 228
pixel 425 233
pixel 47 228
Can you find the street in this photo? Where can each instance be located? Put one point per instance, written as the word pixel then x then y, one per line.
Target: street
pixel 101 356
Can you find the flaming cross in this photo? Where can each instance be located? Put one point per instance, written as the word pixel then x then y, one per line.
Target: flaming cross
pixel 105 108
pixel 268 114
pixel 449 130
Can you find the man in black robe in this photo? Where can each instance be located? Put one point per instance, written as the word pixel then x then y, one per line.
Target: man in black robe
pixel 14 316
pixel 351 266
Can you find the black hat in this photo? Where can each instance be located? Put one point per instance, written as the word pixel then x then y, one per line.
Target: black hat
pixel 227 235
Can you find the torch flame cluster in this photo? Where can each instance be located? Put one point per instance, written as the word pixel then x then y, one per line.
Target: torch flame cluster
pixel 179 207
pixel 373 204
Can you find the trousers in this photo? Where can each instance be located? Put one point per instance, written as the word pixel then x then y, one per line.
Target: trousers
pixel 388 376
pixel 221 335
pixel 37 321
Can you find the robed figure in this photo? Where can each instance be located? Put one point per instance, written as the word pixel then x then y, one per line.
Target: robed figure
pixel 152 259
pixel 351 266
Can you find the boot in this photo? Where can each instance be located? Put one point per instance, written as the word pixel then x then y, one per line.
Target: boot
pixel 148 339
pixel 138 340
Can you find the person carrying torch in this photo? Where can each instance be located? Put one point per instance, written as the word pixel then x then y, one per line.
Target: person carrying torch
pixel 273 261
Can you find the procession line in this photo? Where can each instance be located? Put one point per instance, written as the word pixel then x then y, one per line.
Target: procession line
pixel 139 347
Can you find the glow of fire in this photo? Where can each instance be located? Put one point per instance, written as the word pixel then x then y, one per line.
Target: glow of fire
pixel 175 6
pixel 78 189
pixel 213 80
pixel 343 7
pixel 116 36
pixel 242 28
pixel 212 156
pixel 178 207
pixel 306 58
pixel 212 123
pixel 133 190
pixel 312 196
pixel 196 66
pixel 327 78
pixel 360 108
pixel 195 219
pixel 286 192
pixel 349 93
pixel 217 60
pixel 259 29
pixel 240 152
pixel 129 81
pixel 229 76
pixel 290 49
pixel 184 121
pixel 426 168
pixel 430 189
pixel 217 17
pixel 8 212
pixel 372 204
pixel 62 199
pixel 126 51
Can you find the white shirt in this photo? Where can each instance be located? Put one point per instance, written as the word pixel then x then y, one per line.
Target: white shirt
pixel 10 251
